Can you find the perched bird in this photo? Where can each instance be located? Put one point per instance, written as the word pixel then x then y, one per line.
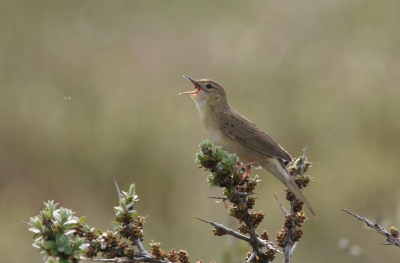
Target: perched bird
pixel 235 133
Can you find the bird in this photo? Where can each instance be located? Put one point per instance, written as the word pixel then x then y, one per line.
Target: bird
pixel 235 133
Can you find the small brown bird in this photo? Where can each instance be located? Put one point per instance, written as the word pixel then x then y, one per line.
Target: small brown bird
pixel 235 133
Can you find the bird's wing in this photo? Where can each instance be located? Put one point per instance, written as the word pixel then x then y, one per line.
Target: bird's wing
pixel 249 134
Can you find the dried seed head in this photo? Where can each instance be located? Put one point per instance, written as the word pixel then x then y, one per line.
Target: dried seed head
pixel 297 206
pixel 173 256
pixel 218 231
pixel 270 254
pixel 394 232
pixel 301 217
pixel 244 229
pixel 183 256
pixel 156 251
pixel 297 233
pixel 264 235
pixel 251 201
pixel 281 237
pixel 256 218
pixel 289 223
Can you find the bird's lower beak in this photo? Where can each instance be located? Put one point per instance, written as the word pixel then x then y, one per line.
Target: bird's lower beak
pixel 196 85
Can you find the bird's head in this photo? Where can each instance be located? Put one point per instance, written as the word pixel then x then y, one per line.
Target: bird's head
pixel 206 93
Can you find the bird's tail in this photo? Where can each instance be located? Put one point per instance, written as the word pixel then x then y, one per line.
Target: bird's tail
pixel 291 184
pixel 279 171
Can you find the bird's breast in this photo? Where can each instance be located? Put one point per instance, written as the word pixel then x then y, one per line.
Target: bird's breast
pixel 212 124
pixel 213 128
pixel 219 138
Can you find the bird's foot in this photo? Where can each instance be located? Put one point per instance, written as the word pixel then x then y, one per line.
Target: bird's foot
pixel 246 173
pixel 248 169
pixel 244 165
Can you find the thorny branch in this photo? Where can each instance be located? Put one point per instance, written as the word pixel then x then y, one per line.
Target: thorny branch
pixel 236 234
pixel 239 191
pixel 62 236
pixel 292 229
pixel 280 205
pixel 138 258
pixel 392 237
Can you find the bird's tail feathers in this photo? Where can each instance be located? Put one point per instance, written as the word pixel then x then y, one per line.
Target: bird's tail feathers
pixel 278 169
pixel 291 184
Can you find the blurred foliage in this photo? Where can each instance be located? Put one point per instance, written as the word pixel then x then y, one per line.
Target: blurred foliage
pixel 326 71
pixel 57 234
pixel 64 238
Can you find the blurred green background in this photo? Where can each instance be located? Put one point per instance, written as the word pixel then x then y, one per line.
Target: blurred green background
pixel 323 71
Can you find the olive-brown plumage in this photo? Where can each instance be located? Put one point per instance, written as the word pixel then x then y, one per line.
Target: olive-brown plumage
pixel 235 133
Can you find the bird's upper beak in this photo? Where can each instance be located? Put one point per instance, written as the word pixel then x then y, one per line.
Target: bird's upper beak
pixel 196 85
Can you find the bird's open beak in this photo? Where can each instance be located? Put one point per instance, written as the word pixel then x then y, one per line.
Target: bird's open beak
pixel 196 85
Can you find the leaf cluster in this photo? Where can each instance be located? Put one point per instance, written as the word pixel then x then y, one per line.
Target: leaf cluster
pixel 55 233
pixel 64 238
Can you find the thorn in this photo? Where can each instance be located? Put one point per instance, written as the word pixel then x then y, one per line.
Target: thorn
pixel 117 188
pixel 206 221
pixel 280 204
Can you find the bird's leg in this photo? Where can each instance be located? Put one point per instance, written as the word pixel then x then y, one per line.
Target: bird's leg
pixel 246 173
pixel 226 206
pixel 247 167
pixel 244 165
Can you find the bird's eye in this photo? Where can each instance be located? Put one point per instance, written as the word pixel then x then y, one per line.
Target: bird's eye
pixel 209 86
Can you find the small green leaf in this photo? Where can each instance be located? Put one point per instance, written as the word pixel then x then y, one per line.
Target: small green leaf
pixel 38 223
pixel 69 232
pixel 54 251
pixel 34 230
pixel 71 222
pixel 68 250
pixel 122 203
pixel 132 190
pixel 114 225
pixel 51 244
pixel 56 215
pixel 118 209
pixel 83 248
pixel 133 212
pixel 82 219
pixel 129 205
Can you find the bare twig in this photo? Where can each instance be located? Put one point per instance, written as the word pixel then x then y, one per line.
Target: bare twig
pixel 119 260
pixel 294 247
pixel 253 255
pixel 146 258
pixel 218 197
pixel 246 194
pixel 233 233
pixel 139 244
pixel 287 250
pixel 381 230
pixel 280 204
pixel 238 193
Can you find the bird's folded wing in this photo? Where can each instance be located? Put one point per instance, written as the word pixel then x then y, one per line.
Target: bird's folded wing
pixel 249 134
